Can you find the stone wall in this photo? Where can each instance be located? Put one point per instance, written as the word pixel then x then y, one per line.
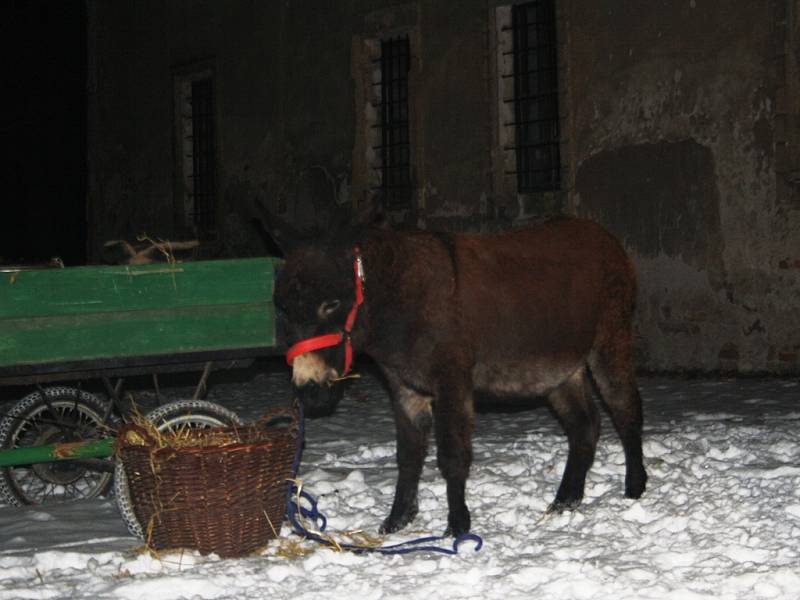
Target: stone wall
pixel 680 125
pixel 675 111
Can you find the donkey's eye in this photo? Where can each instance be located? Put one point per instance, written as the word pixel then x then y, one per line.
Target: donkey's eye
pixel 328 307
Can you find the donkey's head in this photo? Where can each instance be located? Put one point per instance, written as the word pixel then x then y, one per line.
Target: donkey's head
pixel 315 293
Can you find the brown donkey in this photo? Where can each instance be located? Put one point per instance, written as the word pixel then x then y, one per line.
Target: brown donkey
pixel 531 312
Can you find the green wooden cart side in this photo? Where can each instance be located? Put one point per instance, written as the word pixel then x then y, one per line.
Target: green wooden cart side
pixel 86 315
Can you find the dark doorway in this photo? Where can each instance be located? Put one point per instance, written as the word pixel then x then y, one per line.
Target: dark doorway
pixel 43 131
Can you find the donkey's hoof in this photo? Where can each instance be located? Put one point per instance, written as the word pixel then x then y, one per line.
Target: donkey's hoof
pixel 559 506
pixel 457 525
pixel 635 485
pixel 389 526
pixel 392 524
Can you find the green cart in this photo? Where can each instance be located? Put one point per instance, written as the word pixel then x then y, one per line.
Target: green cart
pixel 62 327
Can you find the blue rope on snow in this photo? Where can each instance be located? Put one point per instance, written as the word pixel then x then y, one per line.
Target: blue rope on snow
pixel 295 511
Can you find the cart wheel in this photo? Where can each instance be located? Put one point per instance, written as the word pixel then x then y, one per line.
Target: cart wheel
pixel 170 417
pixel 61 414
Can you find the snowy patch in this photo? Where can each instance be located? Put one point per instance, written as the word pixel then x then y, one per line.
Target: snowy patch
pixel 720 518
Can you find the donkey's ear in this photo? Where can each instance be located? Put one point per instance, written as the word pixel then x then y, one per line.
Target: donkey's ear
pixel 284 235
pixel 370 211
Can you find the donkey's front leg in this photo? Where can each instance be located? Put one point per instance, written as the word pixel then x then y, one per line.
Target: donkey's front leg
pixel 412 417
pixel 453 423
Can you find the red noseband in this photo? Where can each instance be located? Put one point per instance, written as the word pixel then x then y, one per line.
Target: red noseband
pixel 334 339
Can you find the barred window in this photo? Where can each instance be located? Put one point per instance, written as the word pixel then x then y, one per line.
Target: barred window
pixel 394 150
pixel 535 96
pixel 203 154
pixel 197 151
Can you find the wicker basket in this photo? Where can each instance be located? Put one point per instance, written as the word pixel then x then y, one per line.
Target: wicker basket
pixel 227 499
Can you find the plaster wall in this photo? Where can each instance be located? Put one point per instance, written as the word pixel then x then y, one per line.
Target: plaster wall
pixel 675 112
pixel 679 124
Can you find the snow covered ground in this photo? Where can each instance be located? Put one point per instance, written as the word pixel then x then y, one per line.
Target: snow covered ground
pixel 720 518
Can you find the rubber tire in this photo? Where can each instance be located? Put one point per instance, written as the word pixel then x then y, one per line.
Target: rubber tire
pixel 165 417
pixel 28 408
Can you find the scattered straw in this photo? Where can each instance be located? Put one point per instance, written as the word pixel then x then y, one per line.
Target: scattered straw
pixel 337 540
pixel 294 548
pixel 343 377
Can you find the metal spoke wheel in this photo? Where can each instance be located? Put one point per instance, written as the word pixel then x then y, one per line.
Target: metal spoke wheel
pixel 55 415
pixel 170 417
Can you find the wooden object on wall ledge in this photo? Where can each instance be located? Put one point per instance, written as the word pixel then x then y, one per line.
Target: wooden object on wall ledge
pixel 120 252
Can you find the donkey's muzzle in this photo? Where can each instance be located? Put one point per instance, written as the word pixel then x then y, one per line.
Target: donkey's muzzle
pixel 318 400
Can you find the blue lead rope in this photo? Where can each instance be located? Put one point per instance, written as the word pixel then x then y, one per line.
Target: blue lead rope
pixel 296 512
pixel 423 544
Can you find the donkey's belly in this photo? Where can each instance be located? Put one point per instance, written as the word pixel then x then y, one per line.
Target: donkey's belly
pixel 534 377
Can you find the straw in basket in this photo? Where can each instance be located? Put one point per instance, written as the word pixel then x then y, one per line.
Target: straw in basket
pixel 223 490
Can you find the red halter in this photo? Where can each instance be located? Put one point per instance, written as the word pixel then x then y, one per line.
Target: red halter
pixel 334 339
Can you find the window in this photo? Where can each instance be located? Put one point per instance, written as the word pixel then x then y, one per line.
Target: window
pixel 394 150
pixel 196 144
pixel 528 97
pixel 535 96
pixel 384 70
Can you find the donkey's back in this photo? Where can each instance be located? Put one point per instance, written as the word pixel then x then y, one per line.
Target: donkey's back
pixel 540 302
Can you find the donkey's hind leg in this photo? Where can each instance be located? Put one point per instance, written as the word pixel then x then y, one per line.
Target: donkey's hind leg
pixel 613 373
pixel 612 368
pixel 578 415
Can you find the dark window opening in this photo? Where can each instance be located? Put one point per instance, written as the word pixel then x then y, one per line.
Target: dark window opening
pixel 395 159
pixel 203 168
pixel 536 96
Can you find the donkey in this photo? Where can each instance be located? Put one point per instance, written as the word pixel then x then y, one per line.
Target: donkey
pixel 541 311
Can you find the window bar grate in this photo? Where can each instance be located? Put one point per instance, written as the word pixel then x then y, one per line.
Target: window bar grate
pixel 204 175
pixel 536 121
pixel 395 144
